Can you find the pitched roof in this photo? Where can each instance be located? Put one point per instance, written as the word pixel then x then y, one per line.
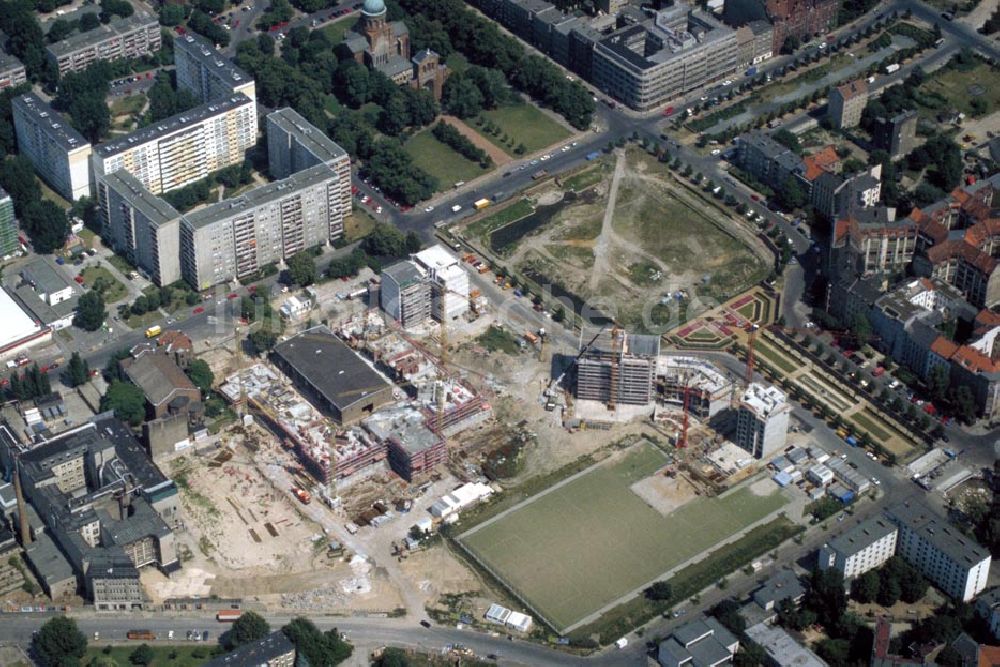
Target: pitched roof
pixel 944 347
pixel 820 161
pixel 158 377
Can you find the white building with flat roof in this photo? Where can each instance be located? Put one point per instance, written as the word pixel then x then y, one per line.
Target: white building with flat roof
pixel 863 547
pixel 762 420
pixel 59 153
pixel 19 330
pixel 449 282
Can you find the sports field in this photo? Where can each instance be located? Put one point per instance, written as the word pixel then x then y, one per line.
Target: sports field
pixel 571 551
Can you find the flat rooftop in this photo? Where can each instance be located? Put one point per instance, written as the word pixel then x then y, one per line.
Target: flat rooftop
pixel 313 139
pixel 937 530
pixel 9 62
pixel 331 367
pixel 764 399
pixel 205 52
pixel 863 535
pixel 156 210
pixel 17 324
pixel 117 27
pixel 257 197
pixel 44 276
pixel 404 273
pixel 55 126
pixel 405 425
pixel 181 121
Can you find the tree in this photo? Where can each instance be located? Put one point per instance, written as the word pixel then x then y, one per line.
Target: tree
pixel 262 340
pixel 865 587
pixel 728 614
pixel 938 382
pixel 826 595
pixel 78 372
pixel 249 627
pixel 660 590
pixel 791 195
pixel 461 97
pixel 834 651
pixel 787 139
pixel 200 375
pixel 89 311
pixel 90 115
pixel 393 657
pixel 965 403
pixel 888 591
pixel 319 648
pixel 302 268
pixel 126 400
pixel 790 45
pixel 171 15
pixel 142 655
pixel 58 642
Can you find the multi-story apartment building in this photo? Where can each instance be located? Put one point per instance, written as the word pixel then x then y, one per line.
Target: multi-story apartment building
pixel 130 37
pixel 617 368
pixel 9 243
pixel 450 283
pixel 405 293
pixel 765 159
pixel 12 71
pixel 140 226
pixel 951 560
pixel 871 241
pixel 762 420
pixel 204 71
pixel 236 237
pixel 897 134
pixel 294 144
pixel 863 547
pixel 846 103
pixel 677 51
pixel 184 148
pixel 800 18
pixel 754 43
pixel 60 153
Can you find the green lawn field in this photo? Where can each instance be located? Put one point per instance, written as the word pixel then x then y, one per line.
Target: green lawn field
pixel 584 545
pixel 440 161
pixel 524 124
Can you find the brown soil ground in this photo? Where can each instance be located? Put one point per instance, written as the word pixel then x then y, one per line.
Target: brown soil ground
pixel 499 157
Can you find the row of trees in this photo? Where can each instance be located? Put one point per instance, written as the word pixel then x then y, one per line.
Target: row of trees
pixel 202 23
pixel 41 219
pixel 30 384
pixel 450 136
pixel 451 26
pixel 384 245
pixel 896 580
pixel 60 29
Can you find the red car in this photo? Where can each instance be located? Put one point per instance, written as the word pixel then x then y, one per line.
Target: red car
pixel 755 197
pixel 252 289
pixel 79 279
pixel 668 111
pixel 198 311
pixel 233 295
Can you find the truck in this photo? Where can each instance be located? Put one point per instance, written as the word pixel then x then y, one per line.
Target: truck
pixel 304 497
pixel 531 337
pixel 481 204
pixel 889 69
pixel 851 440
pixel 541 173
pixel 154 331
pixel 593 155
pixel 140 635
pixel 228 615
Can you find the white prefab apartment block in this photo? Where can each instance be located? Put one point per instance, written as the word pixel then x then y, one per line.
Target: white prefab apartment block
pixel 863 547
pixel 202 70
pixel 449 282
pixel 762 420
pixel 140 226
pixel 60 154
pixel 184 148
pixel 130 37
pixel 236 237
pixel 952 561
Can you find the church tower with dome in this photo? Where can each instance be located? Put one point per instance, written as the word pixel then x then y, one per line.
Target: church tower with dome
pixel 384 45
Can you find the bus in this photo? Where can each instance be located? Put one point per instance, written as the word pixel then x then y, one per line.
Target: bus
pixel 154 331
pixel 228 615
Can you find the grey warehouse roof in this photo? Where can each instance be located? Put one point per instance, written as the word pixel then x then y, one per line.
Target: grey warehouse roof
pixel 259 196
pixel 330 366
pixel 157 210
pixel 172 124
pixel 56 127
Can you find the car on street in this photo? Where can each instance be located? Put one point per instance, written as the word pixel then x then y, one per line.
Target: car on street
pixel 198 311
pixel 428 209
pixel 232 295
pixel 425 623
pixel 546 157
pixel 716 151
pixel 755 197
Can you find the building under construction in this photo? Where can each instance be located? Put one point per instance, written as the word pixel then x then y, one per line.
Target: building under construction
pixel 708 390
pixel 451 406
pixel 616 367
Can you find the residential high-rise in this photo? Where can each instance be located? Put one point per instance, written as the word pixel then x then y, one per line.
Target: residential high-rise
pixel 950 559
pixel 449 282
pixel 130 37
pixel 863 547
pixel 140 226
pixel 896 135
pixel 405 293
pixel 8 227
pixel 236 237
pixel 846 103
pixel 617 364
pixel 12 71
pixel 184 148
pixel 60 153
pixel 762 420
pixel 202 70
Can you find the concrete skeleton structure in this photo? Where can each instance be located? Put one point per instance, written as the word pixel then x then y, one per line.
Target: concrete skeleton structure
pixel 414 449
pixel 708 390
pixel 130 37
pixel 617 367
pixel 60 154
pixel 762 420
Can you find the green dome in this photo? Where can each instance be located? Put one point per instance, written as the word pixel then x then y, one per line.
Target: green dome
pixel 373 7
